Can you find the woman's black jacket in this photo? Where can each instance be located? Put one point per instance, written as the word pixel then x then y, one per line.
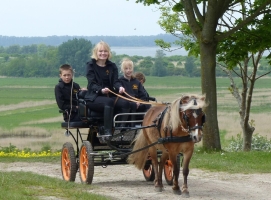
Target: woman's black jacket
pixel 95 83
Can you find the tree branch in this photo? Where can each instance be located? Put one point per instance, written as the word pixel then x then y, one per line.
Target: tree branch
pixel 244 22
pixel 192 21
pixel 197 12
pixel 234 89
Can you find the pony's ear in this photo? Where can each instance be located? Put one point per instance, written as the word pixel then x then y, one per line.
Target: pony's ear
pixel 203 97
pixel 184 99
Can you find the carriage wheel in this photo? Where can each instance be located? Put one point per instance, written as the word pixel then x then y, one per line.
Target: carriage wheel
pixel 68 162
pixel 168 170
pixel 148 171
pixel 86 163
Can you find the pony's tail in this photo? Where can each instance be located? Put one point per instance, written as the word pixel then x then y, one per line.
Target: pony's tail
pixel 139 159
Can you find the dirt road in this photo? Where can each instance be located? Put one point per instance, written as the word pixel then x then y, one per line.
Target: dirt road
pixel 126 182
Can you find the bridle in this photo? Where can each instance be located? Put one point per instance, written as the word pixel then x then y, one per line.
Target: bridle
pixel 197 113
pixel 186 117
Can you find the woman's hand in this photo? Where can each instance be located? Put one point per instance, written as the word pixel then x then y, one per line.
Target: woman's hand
pixel 105 90
pixel 121 90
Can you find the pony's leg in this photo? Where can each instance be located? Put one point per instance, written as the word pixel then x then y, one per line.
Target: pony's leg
pixel 157 183
pixel 186 159
pixel 176 173
pixel 163 158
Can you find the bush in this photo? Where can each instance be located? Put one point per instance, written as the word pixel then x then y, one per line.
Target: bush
pixel 9 149
pixel 259 143
pixel 46 147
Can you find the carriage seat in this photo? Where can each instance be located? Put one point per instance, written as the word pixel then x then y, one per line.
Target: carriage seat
pixel 86 114
pixel 73 125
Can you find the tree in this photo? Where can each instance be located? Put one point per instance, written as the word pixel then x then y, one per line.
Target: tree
pixel 159 68
pixel 75 52
pixel 189 65
pixel 210 22
pixel 170 69
pixel 179 71
pixel 236 52
pixel 13 49
pixel 2 49
pixel 145 66
pixel 29 49
pixel 16 67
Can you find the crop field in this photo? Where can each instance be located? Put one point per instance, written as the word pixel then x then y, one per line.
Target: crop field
pixel 29 115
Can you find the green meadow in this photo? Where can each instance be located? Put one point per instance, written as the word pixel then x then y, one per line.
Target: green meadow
pixel 29 118
pixel 29 115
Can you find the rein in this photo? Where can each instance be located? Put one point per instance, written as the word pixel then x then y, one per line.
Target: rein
pixel 133 99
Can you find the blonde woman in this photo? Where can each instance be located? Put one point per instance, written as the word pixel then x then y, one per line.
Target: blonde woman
pixel 102 76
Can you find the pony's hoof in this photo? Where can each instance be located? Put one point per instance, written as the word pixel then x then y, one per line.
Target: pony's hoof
pixel 178 192
pixel 158 189
pixel 185 194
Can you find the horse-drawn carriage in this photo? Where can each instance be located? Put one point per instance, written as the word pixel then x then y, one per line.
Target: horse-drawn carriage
pixel 154 139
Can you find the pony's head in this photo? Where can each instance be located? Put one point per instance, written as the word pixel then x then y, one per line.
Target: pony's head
pixel 187 114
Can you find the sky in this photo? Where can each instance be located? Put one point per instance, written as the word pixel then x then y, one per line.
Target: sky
pixel 26 18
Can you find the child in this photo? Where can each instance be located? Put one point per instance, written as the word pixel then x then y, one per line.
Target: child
pixel 141 77
pixel 132 86
pixel 63 92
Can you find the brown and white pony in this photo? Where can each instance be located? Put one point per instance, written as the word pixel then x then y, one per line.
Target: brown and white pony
pixel 177 127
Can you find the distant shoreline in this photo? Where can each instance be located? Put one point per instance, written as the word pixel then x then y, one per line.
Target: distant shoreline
pixel 145 51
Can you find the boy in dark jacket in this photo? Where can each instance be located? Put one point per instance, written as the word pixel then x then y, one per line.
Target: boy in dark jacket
pixel 65 93
pixel 141 77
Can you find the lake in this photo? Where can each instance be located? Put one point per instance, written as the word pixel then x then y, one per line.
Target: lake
pixel 151 51
pixel 145 51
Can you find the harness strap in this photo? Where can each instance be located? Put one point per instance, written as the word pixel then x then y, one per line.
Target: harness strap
pixel 160 120
pixel 196 127
pixel 186 138
pixel 171 138
pixel 126 154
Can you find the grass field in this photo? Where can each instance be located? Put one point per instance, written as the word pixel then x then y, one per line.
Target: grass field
pixel 28 107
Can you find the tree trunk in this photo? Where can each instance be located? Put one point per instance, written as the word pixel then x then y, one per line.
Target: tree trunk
pixel 211 138
pixel 247 135
pixel 247 93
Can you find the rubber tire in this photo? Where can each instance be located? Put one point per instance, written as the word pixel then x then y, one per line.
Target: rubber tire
pixel 148 171
pixel 68 162
pixel 86 163
pixel 168 170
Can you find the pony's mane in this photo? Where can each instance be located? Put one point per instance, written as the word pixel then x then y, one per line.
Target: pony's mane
pixel 173 114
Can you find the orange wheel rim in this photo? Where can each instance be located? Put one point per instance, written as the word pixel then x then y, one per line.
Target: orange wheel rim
pixel 168 170
pixel 66 164
pixel 83 163
pixel 148 171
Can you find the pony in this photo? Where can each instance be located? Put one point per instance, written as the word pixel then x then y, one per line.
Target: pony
pixel 175 128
